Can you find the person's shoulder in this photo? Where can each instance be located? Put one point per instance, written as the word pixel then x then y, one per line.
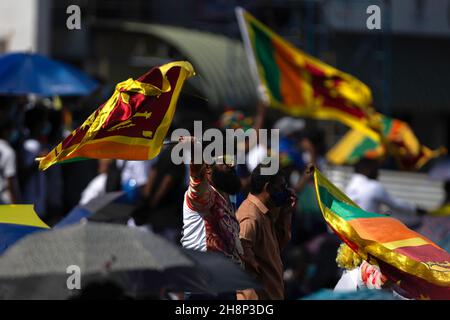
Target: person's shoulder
pixel 247 210
pixel 6 150
pixel 376 186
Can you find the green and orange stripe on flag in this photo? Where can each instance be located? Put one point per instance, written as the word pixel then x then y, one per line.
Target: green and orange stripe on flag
pixel 418 268
pixel 397 139
pixel 301 85
pixel 132 124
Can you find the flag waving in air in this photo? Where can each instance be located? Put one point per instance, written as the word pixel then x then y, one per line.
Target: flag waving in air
pixel 301 85
pixel 416 266
pixel 132 124
pixel 397 139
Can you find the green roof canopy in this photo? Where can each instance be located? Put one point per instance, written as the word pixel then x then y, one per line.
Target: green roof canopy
pixel 222 71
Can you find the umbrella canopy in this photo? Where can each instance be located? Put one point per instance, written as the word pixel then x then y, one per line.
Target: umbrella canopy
pixel 366 294
pixel 24 73
pixel 441 170
pixel 16 221
pixel 140 262
pixel 110 207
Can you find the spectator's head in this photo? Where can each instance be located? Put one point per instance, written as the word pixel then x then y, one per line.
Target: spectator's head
pixel 36 120
pixel 223 176
pixel 271 189
pixel 235 119
pixel 7 130
pixel 221 173
pixel 368 167
pixel 313 139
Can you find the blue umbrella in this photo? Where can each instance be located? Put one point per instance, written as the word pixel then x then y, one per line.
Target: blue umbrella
pixel 24 73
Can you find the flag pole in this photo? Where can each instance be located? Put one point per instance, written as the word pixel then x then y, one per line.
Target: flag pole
pixel 261 89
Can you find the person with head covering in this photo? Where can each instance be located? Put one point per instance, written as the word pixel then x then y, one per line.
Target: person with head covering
pixel 254 150
pixel 209 220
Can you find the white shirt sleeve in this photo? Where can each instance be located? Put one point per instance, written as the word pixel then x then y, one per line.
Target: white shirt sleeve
pixel 384 197
pixel 95 188
pixel 9 162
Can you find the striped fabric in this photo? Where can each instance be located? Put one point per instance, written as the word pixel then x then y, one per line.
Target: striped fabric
pixel 397 140
pixel 301 85
pixel 132 124
pixel 417 267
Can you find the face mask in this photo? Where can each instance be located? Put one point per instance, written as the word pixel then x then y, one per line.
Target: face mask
pixel 280 198
pixel 227 182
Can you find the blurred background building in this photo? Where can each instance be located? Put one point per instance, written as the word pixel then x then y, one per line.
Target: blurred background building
pixel 405 63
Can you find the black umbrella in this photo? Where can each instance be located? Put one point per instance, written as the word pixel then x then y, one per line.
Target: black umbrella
pixel 142 263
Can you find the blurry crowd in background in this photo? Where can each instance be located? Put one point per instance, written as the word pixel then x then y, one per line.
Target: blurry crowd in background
pixel 30 127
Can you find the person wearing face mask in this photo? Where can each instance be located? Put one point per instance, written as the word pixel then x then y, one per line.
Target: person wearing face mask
pixel 265 229
pixel 209 221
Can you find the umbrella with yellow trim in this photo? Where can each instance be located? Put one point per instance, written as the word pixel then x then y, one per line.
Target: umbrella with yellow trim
pixel 16 221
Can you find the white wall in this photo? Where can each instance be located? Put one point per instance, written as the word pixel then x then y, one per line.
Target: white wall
pixel 20 25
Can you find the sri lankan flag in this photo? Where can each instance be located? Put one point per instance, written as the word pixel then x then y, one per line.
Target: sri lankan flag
pixel 397 139
pixel 132 124
pixel 417 267
pixel 301 85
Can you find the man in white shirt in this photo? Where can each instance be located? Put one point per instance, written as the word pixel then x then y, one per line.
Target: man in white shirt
pixel 8 169
pixel 368 193
pixel 135 172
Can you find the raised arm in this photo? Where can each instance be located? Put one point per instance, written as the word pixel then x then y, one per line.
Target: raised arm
pixel 200 196
pixel 261 110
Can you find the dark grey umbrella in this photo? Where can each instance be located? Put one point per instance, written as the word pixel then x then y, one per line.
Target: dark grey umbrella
pixel 140 262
